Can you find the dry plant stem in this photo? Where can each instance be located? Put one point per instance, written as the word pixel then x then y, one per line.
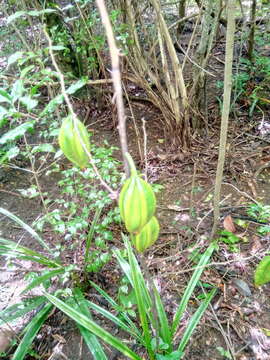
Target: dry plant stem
pixel 225 110
pixel 145 148
pixel 35 177
pixel 116 77
pixel 134 122
pixel 192 38
pixel 226 339
pixel 74 116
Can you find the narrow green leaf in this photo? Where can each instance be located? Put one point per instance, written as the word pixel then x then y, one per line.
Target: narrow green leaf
pixel 262 272
pixel 10 248
pixel 91 340
pixel 116 321
pixel 18 310
pixel 116 307
pixel 142 308
pixel 191 285
pixel 165 331
pixel 39 280
pixel 26 228
pixel 93 327
pixel 30 332
pixel 16 133
pixel 91 233
pixel 193 322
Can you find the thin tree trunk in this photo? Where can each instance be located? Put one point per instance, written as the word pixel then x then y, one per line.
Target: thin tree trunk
pixel 182 14
pixel 252 30
pixel 225 109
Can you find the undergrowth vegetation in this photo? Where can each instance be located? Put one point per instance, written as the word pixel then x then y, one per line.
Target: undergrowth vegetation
pixel 97 216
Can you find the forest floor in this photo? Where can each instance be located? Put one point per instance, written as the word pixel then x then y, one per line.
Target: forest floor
pixel 238 319
pixel 239 316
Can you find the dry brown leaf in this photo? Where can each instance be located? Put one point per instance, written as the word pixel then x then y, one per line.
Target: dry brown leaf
pixel 228 224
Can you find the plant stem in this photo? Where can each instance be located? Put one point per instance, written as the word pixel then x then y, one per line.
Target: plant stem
pixel 225 110
pixel 116 77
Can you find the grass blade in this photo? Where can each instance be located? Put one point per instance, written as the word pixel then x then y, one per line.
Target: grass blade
pixel 191 285
pixel 116 321
pixel 26 228
pixel 142 306
pixel 11 248
pixel 93 327
pixel 39 280
pixel 31 331
pixel 18 310
pixel 116 307
pixel 91 233
pixel 195 319
pixel 91 340
pixel 164 328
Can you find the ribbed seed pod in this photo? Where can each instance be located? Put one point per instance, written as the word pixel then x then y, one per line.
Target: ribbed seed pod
pixel 71 139
pixel 148 236
pixel 137 201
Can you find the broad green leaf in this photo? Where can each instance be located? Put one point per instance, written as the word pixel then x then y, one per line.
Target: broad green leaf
pixel 25 227
pixel 18 310
pixel 28 102
pixel 10 154
pixel 31 331
pixel 17 90
pixel 16 133
pixel 43 148
pixel 58 47
pixel 26 70
pixel 39 280
pixel 74 87
pixel 93 327
pixel 40 12
pixel 91 340
pixel 58 100
pixel 191 285
pixel 193 322
pixel 3 115
pixel 262 272
pixel 4 96
pixel 15 16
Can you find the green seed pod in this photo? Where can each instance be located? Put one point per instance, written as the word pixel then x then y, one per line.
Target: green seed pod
pixel 72 135
pixel 137 201
pixel 148 236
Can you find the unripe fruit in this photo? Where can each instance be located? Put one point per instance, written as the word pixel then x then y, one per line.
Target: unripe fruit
pixel 72 135
pixel 148 236
pixel 137 201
